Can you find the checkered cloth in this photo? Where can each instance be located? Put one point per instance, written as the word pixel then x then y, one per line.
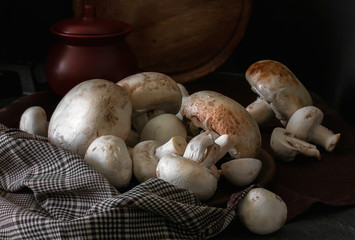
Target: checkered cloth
pixel 50 193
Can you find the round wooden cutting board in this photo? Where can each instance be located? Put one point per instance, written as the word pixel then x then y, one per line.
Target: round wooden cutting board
pixel 186 39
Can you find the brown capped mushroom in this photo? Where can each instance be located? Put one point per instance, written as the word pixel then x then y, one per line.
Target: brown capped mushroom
pixel 306 124
pixel 279 88
pixel 91 109
pixel 151 94
pixel 219 114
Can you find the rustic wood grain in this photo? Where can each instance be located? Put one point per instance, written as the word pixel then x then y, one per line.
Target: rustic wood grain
pixel 186 39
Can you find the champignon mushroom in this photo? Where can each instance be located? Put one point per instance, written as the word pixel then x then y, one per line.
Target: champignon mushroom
pixel 147 154
pixel 34 120
pixel 262 211
pixel 108 154
pixel 187 174
pixel 306 124
pixel 286 146
pixel 163 127
pixel 279 88
pixel 91 109
pixel 242 171
pixel 151 94
pixel 219 114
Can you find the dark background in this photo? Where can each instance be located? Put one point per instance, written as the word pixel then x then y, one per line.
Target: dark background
pixel 315 39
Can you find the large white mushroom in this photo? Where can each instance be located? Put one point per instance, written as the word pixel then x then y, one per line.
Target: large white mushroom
pixel 262 211
pixel 34 120
pixel 221 115
pixel 151 94
pixel 109 155
pixel 279 91
pixel 306 124
pixel 91 109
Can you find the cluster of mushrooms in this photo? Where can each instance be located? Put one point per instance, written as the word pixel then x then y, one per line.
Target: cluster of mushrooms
pixel 147 125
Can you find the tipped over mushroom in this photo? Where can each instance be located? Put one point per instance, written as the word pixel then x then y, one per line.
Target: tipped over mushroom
pixel 279 90
pixel 147 154
pixel 242 171
pixel 262 211
pixel 286 146
pixel 306 124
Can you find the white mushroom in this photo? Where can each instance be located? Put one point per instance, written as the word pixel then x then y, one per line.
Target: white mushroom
pixel 34 120
pixel 109 156
pixel 147 154
pixel 260 110
pixel 187 174
pixel 163 127
pixel 262 211
pixel 219 114
pixel 279 88
pixel 191 171
pixel 91 109
pixel 242 171
pixel 286 146
pixel 151 94
pixel 306 124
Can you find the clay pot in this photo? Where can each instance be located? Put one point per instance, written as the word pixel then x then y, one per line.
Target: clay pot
pixel 88 48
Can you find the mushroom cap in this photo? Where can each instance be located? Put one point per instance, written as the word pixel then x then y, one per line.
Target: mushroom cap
pixel 91 109
pixel 187 174
pixel 262 211
pixel 144 160
pixel 163 127
pixel 34 120
pixel 242 171
pixel 152 90
pixel 277 85
pixel 220 114
pixel 109 156
pixel 303 121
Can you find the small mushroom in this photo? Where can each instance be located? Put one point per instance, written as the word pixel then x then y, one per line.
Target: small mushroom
pixel 163 127
pixel 219 114
pixel 151 94
pixel 286 146
pixel 34 120
pixel 279 88
pixel 306 124
pixel 262 211
pixel 147 154
pixel 242 171
pixel 109 155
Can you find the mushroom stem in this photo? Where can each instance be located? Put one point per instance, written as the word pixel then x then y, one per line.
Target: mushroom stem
pixel 196 148
pixel 260 110
pixel 211 154
pixel 176 145
pixel 322 136
pixel 227 146
pixel 286 146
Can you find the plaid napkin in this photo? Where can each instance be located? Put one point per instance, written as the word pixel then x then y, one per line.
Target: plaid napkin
pixel 50 193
